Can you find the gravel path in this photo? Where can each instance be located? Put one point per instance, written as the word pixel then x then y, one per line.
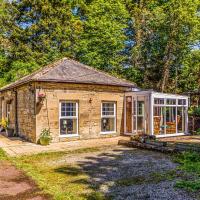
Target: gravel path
pixel 124 173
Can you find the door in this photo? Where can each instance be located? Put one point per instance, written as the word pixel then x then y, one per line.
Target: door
pixel 135 115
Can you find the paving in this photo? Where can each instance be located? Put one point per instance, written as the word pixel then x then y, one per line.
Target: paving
pixel 17 147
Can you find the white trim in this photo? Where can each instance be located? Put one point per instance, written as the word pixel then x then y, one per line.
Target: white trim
pixel 170 135
pixel 151 114
pixel 69 135
pixel 107 132
pixel 151 95
pixel 109 116
pixel 69 117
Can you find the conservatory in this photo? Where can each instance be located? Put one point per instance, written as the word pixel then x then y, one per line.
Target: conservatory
pixel 160 114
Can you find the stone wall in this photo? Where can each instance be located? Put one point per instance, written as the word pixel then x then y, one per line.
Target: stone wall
pixel 26 113
pixel 89 98
pixel 25 110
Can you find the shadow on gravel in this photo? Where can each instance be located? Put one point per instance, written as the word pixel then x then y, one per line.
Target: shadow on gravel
pixel 126 173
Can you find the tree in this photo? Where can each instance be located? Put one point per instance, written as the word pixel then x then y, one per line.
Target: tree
pixel 189 79
pixel 163 33
pixel 40 32
pixel 103 40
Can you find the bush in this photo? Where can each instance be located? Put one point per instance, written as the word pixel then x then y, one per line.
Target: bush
pixel 45 137
pixel 4 123
pixel 190 163
pixel 195 111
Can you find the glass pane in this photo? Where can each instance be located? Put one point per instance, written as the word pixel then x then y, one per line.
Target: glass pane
pixel 158 123
pixel 170 120
pixel 140 123
pixel 181 119
pixel 108 109
pixel 158 101
pixel 171 101
pixel 140 108
pixel 68 109
pixel 107 124
pixel 68 126
pixel 182 102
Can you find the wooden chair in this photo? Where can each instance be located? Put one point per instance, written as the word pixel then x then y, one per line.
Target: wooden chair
pixel 156 123
pixel 171 126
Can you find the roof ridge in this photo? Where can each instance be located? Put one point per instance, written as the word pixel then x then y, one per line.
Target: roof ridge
pixel 39 74
pixel 50 66
pixel 97 70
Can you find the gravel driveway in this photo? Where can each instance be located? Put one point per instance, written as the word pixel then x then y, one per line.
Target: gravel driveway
pixel 125 173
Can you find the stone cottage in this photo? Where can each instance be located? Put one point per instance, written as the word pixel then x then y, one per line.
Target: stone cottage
pixel 76 101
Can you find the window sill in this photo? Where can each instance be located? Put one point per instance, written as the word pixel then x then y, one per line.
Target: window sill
pixel 106 133
pixel 69 135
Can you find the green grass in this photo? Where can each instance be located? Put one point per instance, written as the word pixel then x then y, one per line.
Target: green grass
pixel 3 155
pixel 190 164
pixel 62 182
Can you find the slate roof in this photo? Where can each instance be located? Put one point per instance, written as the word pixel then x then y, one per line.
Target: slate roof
pixel 70 71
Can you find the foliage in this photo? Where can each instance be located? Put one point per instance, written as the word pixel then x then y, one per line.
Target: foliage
pixel 45 136
pixel 198 131
pixel 195 111
pixel 45 133
pixel 3 155
pixel 190 163
pixel 162 39
pixel 4 123
pixel 152 43
pixel 189 79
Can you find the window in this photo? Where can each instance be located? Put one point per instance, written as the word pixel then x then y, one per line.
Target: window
pixel 171 101
pixel 181 102
pixel 108 117
pixel 68 118
pixel 158 101
pixel 138 115
pixel 8 108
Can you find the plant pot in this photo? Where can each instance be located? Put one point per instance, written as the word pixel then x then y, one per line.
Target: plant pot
pixel 45 141
pixel 1 129
pixel 10 132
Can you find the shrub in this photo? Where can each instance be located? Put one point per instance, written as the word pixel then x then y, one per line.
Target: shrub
pixel 194 111
pixel 4 123
pixel 45 136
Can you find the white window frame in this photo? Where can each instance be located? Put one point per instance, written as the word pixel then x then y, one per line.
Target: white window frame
pixel 69 117
pixel 136 115
pixel 108 116
pixel 176 105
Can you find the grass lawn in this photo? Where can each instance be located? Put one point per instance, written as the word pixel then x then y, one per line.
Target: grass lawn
pixel 3 156
pixel 190 164
pixel 63 183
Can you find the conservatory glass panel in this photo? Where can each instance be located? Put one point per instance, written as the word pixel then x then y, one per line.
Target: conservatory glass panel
pixel 181 119
pixel 158 100
pixel 159 120
pixel 171 101
pixel 170 120
pixel 140 115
